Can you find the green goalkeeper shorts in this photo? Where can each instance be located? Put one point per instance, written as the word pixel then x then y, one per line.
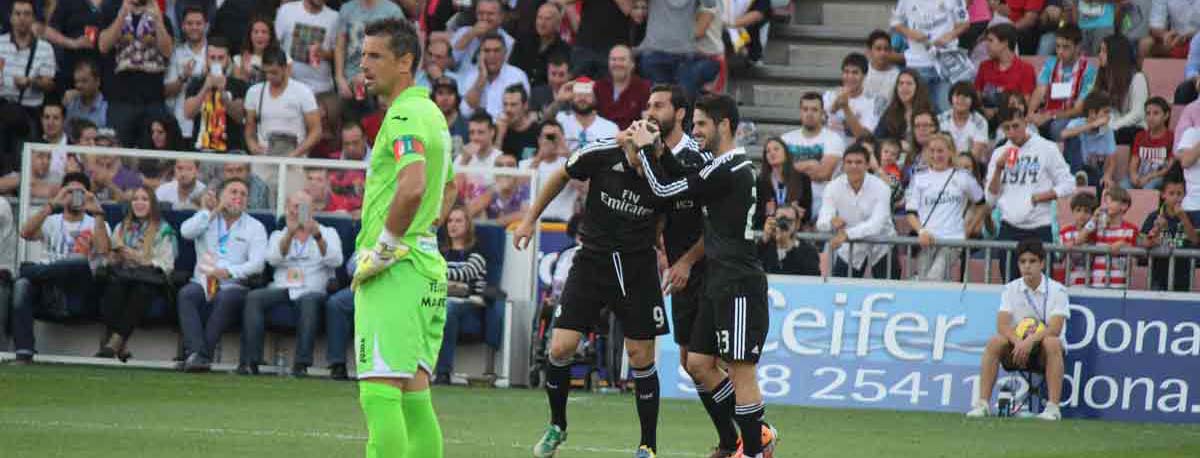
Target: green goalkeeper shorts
pixel 398 321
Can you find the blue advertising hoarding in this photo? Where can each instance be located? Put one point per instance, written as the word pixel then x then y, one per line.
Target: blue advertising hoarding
pixel 910 346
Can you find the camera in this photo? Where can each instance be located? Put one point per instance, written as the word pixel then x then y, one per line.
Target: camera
pixel 76 199
pixel 784 223
pixel 304 213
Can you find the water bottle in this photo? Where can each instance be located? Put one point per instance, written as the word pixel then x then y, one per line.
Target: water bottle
pixel 1004 402
pixel 281 362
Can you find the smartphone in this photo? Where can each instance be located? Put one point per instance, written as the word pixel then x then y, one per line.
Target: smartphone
pixel 305 213
pixel 215 69
pixel 76 198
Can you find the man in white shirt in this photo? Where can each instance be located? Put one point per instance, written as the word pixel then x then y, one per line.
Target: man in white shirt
pixel 1024 176
pixel 583 125
pixel 858 205
pixel 486 81
pixel 550 157
pixel 230 247
pixel 183 192
pixel 815 151
pixel 306 30
pixel 467 40
pixel 881 78
pixel 852 111
pixel 480 151
pixel 282 117
pixel 20 85
pixel 304 255
pixel 1038 348
pixel 187 61
pixel 1187 152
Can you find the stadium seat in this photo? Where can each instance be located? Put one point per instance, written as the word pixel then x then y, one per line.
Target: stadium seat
pixel 1144 202
pixel 1163 75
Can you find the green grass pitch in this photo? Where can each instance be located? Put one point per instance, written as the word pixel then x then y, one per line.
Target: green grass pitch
pixel 65 411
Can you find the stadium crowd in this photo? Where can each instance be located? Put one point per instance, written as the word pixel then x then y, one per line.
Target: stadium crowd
pixel 942 128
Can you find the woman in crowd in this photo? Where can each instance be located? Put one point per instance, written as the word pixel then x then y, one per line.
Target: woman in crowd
pixel 140 263
pixel 964 122
pixel 779 184
pixel 1120 76
pixel 247 66
pixel 466 277
pixel 162 133
pixel 936 201
pixel 909 95
pixel 924 127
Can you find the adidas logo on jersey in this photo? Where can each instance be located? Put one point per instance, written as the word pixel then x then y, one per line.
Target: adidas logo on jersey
pixel 754 350
pixel 618 167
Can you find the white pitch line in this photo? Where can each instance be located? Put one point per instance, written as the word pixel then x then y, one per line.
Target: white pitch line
pixel 285 434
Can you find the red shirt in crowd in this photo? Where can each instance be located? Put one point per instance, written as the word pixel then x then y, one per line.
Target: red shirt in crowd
pixel 1104 276
pixel 1153 153
pixel 626 108
pixel 1019 77
pixel 1018 8
pixel 1078 274
pixel 371 124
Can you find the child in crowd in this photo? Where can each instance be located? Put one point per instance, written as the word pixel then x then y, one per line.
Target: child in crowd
pixel 1108 228
pixel 1082 206
pixel 1090 141
pixel 1170 227
pixel 888 155
pixel 1151 154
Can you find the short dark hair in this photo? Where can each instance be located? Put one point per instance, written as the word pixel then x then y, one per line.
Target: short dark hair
pixel 492 36
pixel 720 107
pixel 402 38
pixel 1007 113
pixel 1069 31
pixel 855 59
pixel 678 97
pixel 274 55
pixel 965 88
pixel 29 2
pixel 77 177
pixel 351 124
pixel 228 181
pixel 1032 246
pixel 218 40
pixel 1119 194
pixel 856 148
pixel 1086 200
pixel 876 35
pixel 517 89
pixel 558 58
pixel 1096 101
pixel 549 122
pixel 811 96
pixel 76 126
pixel 483 117
pixel 193 9
pixel 1005 33
pixel 1161 103
pixel 54 103
pixel 88 64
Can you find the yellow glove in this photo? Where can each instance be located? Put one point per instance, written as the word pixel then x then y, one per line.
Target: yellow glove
pixel 378 259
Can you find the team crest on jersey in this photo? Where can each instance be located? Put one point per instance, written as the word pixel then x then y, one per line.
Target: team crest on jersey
pixel 407 144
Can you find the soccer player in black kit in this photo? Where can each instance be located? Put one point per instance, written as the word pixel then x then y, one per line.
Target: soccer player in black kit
pixel 733 310
pixel 616 268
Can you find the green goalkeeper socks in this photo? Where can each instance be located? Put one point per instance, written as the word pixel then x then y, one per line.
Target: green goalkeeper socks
pixel 424 434
pixel 383 406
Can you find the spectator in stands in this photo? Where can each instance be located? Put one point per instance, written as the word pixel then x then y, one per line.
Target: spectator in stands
pixel 668 53
pixel 814 150
pixel 924 127
pixel 347 184
pixel 881 77
pixel 185 190
pixel 1150 156
pixel 542 98
pixel 1024 198
pixel 111 179
pixel 74 30
pixel 1186 92
pixel 1097 20
pixel 479 152
pixel 1169 227
pixel 1173 23
pixel 316 185
pixel 533 52
pixel 438 64
pixel 1083 206
pixel 468 41
pixel 851 110
pixel 1065 81
pixel 162 133
pixel 781 252
pixel 140 263
pixel 1187 151
pixel 233 18
pixel 516 128
pixel 936 202
pixel 445 95
pixel 136 37
pixel 621 97
pixel 1040 351
pixel 282 118
pixel 85 101
pixel 1108 228
pixel 505 200
pixel 259 197
pixel 353 18
pixel 749 18
pixel 487 81
pixel 1090 141
pixel 248 64
pixel 230 248
pixel 81 132
pixel 304 255
pixel 187 63
pixel 466 277
pixel 307 30
pixel 887 158
pixel 857 205
pixel 965 123
pixel 599 25
pixel 909 96
pixel 215 101
pixel 582 125
pixel 30 72
pixel 339 323
pixel 1190 117
pixel 43 183
pixel 1121 77
pixel 780 185
pixel 551 156
pixel 637 22
pixel 1023 14
pixel 74 242
pixel 1004 71
pixel 931 28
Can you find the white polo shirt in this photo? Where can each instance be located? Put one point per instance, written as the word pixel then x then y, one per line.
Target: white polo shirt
pixel 1048 300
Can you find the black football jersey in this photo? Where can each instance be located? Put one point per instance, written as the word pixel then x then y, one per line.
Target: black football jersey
pixel 620 213
pixel 685 221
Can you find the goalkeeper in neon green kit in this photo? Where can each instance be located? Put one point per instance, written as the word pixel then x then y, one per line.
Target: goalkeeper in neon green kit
pixel 400 281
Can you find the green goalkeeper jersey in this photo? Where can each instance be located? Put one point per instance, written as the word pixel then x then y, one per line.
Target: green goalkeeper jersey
pixel 413 130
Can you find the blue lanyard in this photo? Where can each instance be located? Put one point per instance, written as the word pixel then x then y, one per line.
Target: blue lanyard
pixel 1045 299
pixel 299 253
pixel 223 238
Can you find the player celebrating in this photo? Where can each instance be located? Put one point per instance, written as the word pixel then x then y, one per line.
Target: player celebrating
pixel 682 233
pixel 734 303
pixel 400 282
pixel 616 267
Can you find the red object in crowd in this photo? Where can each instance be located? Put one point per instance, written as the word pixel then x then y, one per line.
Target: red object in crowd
pixel 628 107
pixel 1013 152
pixel 371 123
pixel 1018 77
pixel 1018 8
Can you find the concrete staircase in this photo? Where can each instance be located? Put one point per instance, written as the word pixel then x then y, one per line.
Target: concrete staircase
pixel 804 54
